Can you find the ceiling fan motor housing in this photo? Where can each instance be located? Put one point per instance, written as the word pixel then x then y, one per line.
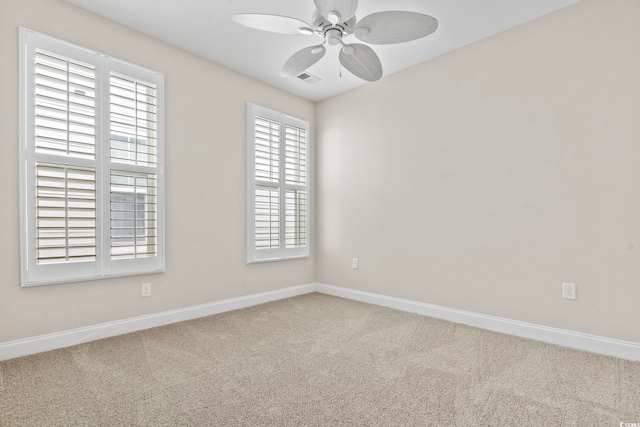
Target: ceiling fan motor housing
pixel 321 24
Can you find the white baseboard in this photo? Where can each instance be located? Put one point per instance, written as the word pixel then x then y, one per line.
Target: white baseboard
pixel 38 344
pixel 595 344
pixel 592 343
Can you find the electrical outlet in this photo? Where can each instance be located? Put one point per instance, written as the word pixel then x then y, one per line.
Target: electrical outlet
pixel 354 263
pixel 146 290
pixel 568 291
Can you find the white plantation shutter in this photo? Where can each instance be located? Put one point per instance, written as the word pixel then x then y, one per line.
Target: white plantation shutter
pixel 133 215
pixel 277 191
pixel 296 219
pixel 65 131
pixel 267 150
pixel 266 161
pixel 65 116
pixel 133 106
pixel 66 214
pixel 91 156
pixel 135 240
pixel 295 183
pixel 267 218
pixel 65 106
pixel 296 155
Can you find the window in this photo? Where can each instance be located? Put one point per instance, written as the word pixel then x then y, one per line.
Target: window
pixel 278 187
pixel 91 164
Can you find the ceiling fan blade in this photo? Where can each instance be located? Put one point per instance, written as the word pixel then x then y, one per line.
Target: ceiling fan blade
pixel 361 61
pixel 345 8
pixel 394 27
pixel 302 59
pixel 273 23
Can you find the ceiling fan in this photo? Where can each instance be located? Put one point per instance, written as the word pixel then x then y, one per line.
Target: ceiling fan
pixel 334 20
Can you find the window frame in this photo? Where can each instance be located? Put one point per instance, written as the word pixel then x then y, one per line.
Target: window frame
pixel 32 273
pixel 281 253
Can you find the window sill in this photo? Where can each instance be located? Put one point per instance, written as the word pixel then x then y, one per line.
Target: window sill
pixel 261 261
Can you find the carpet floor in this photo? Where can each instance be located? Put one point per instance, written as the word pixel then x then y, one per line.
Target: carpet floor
pixel 317 360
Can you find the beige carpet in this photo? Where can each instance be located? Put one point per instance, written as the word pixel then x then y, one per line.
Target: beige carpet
pixel 318 360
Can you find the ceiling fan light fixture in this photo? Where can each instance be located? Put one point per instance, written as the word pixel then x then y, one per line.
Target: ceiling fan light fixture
pixel 333 36
pixel 305 30
pixel 348 50
pixel 316 50
pixel 333 17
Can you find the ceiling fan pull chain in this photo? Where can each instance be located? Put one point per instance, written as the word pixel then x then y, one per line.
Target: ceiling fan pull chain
pixel 340 69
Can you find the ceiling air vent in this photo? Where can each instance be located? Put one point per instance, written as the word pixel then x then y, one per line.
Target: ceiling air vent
pixel 308 78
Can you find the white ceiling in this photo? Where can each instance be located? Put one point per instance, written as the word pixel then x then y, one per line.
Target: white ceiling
pixel 205 28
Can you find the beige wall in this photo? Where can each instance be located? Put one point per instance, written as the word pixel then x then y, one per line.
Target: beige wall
pixel 205 134
pixel 485 178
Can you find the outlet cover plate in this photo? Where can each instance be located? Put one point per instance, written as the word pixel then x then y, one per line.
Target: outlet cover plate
pixel 146 290
pixel 569 291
